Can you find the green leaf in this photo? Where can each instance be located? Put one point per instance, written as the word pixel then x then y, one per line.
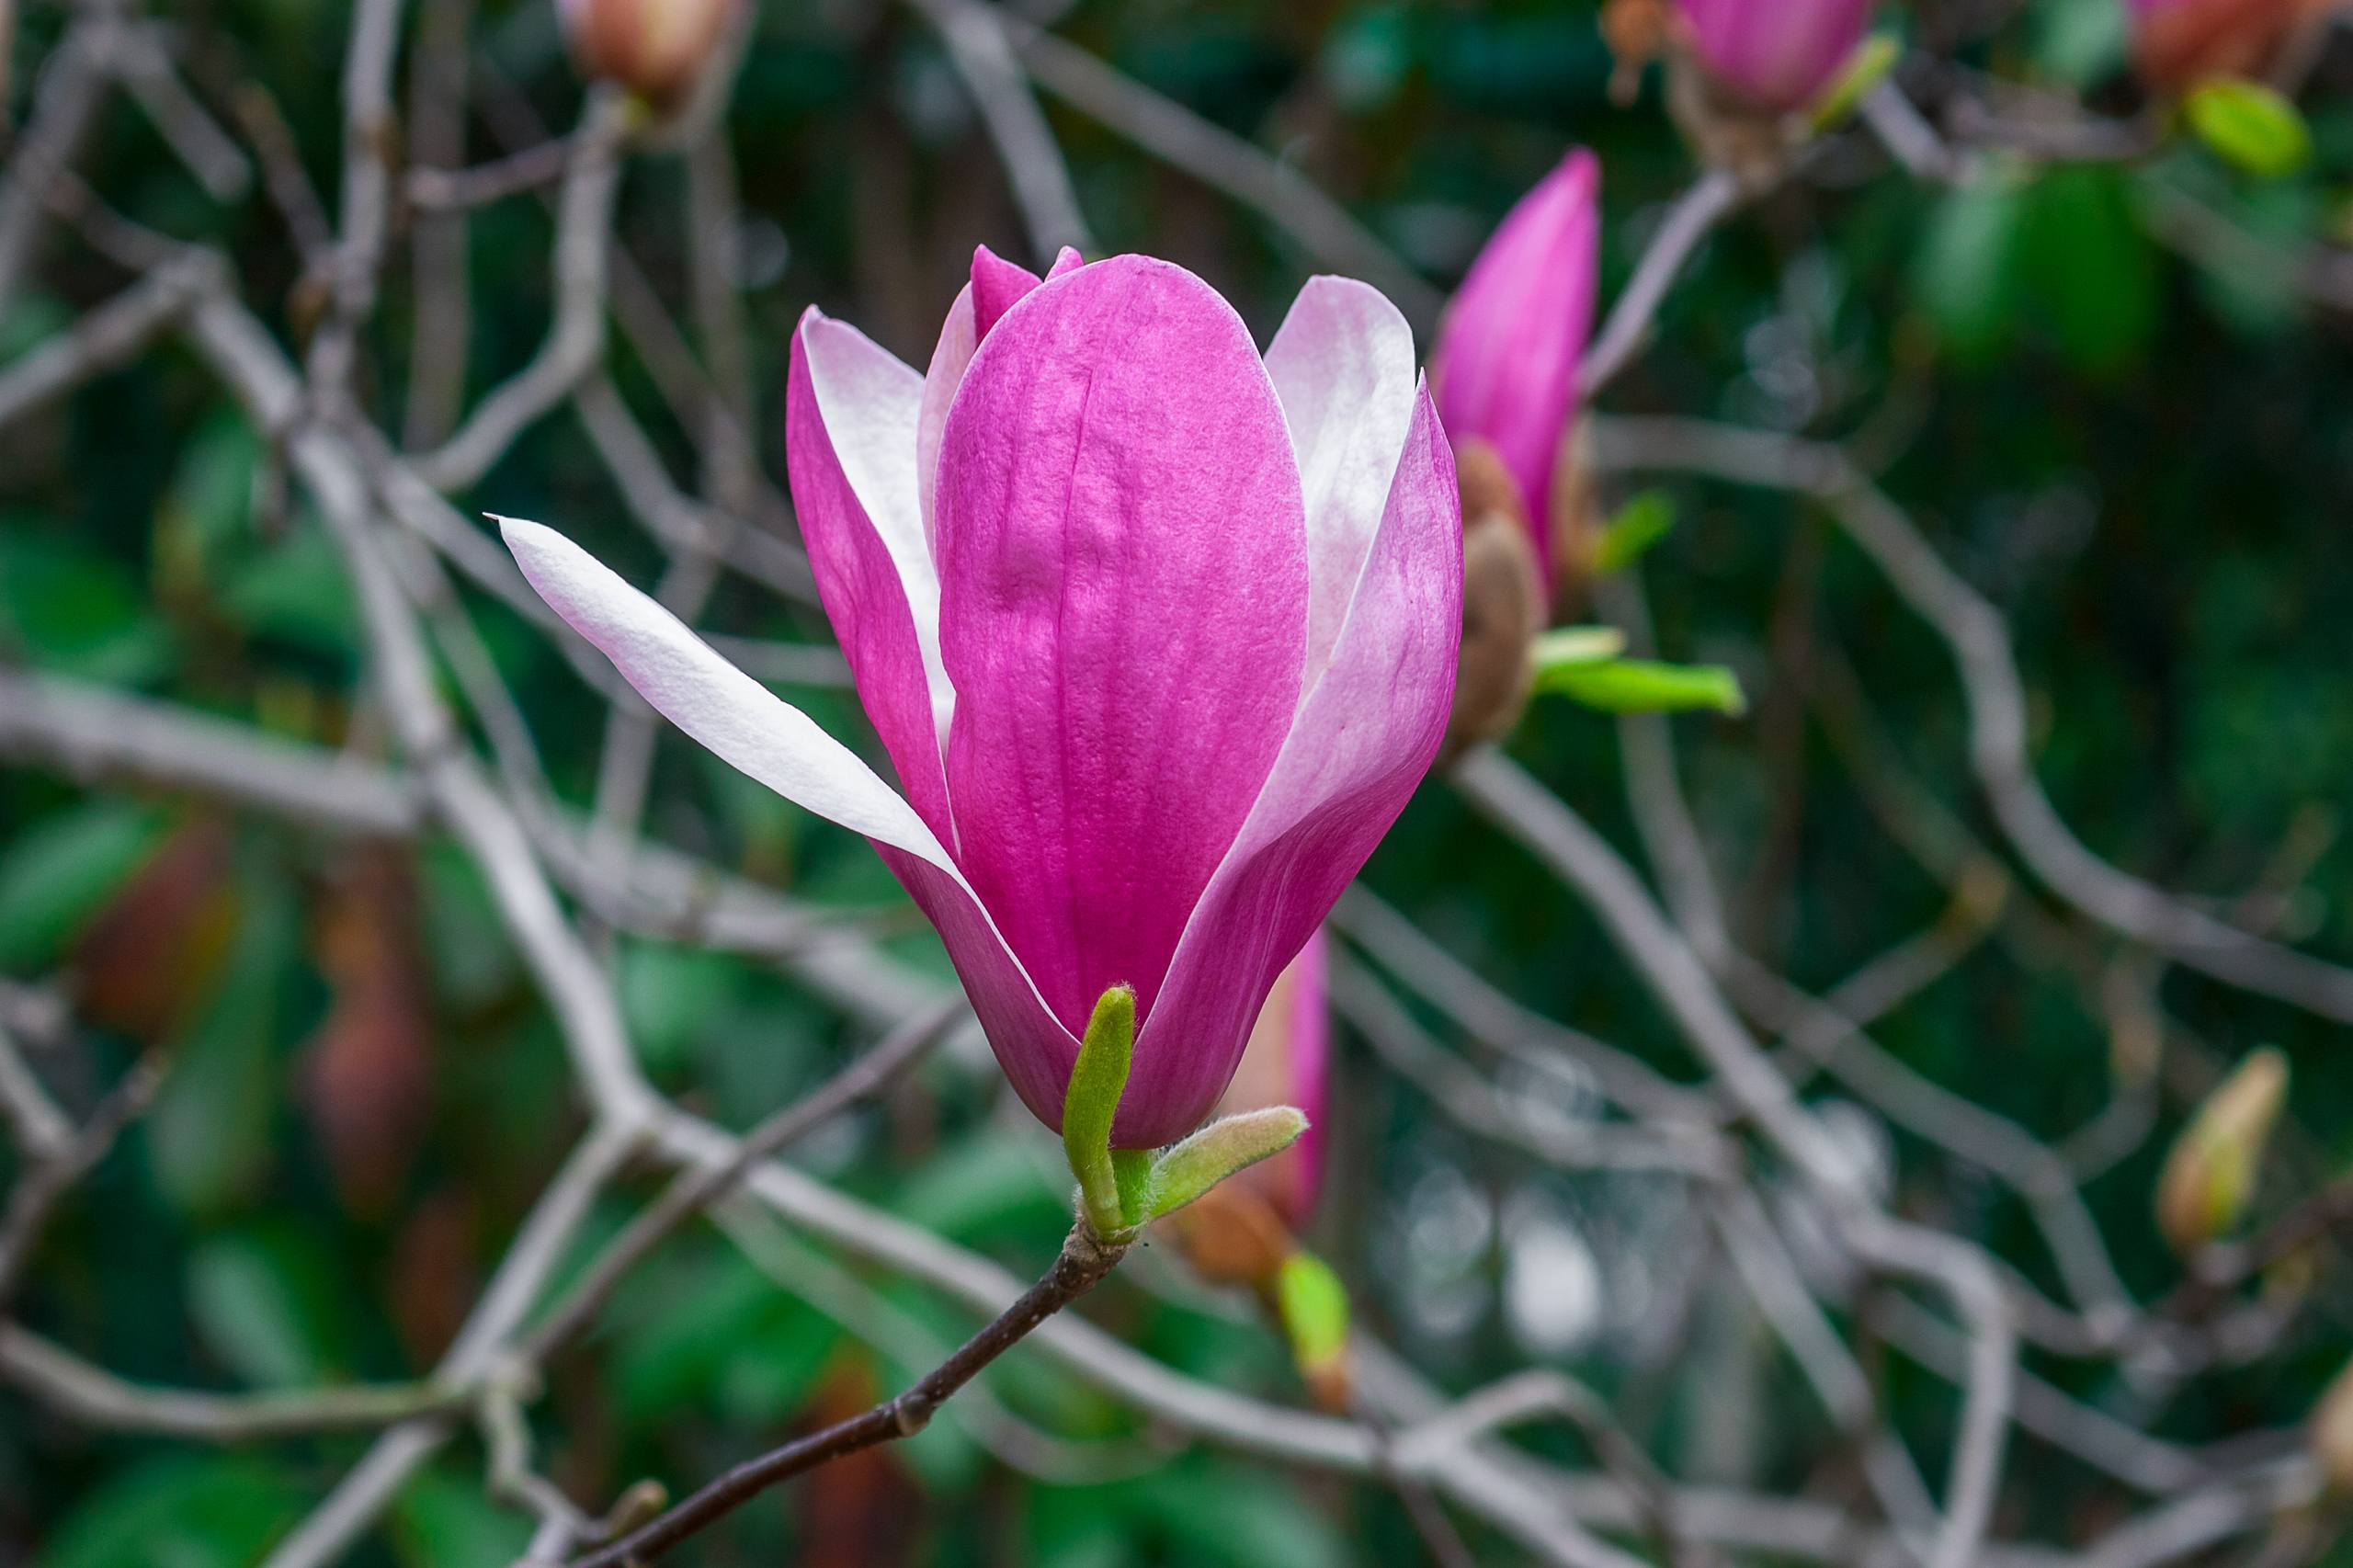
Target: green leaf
pixel 1216 1151
pixel 1098 1079
pixel 1641 523
pixel 1967 276
pixel 77 612
pixel 715 1332
pixel 265 1302
pixel 1225 1512
pixel 209 1134
pixel 1645 686
pixel 2078 42
pixel 59 873
pixel 444 1521
pixel 1864 70
pixel 2250 126
pixel 672 998
pixel 2093 272
pixel 297 594
pixel 1315 1309
pixel 988 1183
pixel 179 1511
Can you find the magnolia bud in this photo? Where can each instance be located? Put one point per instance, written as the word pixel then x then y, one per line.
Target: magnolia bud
pixel 1503 601
pixel 1636 32
pixel 2331 1435
pixel 1744 71
pixel 655 49
pixel 1574 508
pixel 1231 1235
pixel 2210 1175
pixel 2178 43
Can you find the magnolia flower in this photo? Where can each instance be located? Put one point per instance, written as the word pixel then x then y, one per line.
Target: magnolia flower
pixel 2178 43
pixel 656 49
pixel 1772 58
pixel 1514 340
pixel 1159 637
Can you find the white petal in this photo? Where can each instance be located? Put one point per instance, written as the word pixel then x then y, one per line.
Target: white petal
pixel 738 718
pixel 873 406
pixel 959 340
pixel 1343 366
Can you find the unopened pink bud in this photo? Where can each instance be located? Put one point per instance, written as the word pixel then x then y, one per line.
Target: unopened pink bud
pixel 1514 340
pixel 655 49
pixel 1774 56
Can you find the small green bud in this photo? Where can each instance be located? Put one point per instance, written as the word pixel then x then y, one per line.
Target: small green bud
pixel 1098 1079
pixel 2210 1175
pixel 1314 1306
pixel 2249 126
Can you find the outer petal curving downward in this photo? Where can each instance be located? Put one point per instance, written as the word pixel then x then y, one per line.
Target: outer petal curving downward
pixel 747 725
pixel 850 413
pixel 1122 549
pixel 1365 737
pixel 756 731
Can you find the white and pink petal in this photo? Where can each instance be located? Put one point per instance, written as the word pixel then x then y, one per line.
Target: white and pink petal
pixel 1122 549
pixel 1365 737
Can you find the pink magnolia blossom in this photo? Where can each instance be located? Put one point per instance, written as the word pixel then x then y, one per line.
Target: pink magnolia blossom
pixel 2178 43
pixel 1159 636
pixel 1514 336
pixel 654 48
pixel 1775 56
pixel 1288 1062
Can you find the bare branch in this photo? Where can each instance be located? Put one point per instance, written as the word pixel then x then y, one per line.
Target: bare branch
pixel 1084 1260
pixel 1979 640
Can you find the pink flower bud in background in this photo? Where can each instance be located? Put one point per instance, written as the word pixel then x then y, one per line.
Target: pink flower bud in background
pixel 1159 635
pixel 655 49
pixel 1514 339
pixel 2178 43
pixel 1774 56
pixel 1288 1062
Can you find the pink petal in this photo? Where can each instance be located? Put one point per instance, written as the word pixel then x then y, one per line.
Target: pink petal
pixel 756 731
pixel 1031 1045
pixel 996 285
pixel 850 415
pixel 969 320
pixel 1311 1072
pixel 1779 57
pixel 1507 356
pixel 1343 364
pixel 1287 1061
pixel 1122 546
pixel 1365 737
pixel 959 335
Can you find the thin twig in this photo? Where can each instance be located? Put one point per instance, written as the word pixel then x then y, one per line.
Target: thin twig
pixel 697 1190
pixel 1082 1264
